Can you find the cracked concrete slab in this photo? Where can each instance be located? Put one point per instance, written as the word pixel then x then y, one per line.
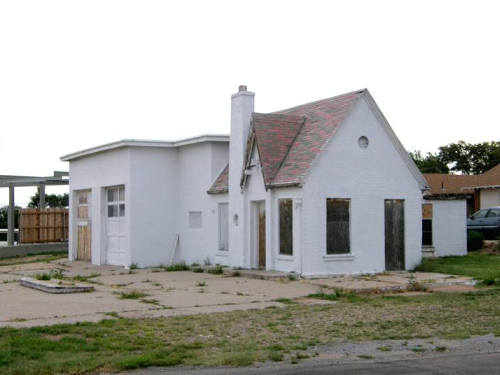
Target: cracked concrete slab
pixel 168 293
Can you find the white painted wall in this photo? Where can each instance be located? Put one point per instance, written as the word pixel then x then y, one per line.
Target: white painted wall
pixel 161 186
pixel 153 204
pixel 199 165
pixel 96 172
pixel 367 177
pixel 449 227
pixel 489 198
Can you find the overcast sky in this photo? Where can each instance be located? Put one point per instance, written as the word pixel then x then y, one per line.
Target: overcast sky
pixel 75 74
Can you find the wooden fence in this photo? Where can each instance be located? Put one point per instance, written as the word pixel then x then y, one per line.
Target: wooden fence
pixel 47 225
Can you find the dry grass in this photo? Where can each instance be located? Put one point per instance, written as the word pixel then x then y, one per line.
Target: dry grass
pixel 243 337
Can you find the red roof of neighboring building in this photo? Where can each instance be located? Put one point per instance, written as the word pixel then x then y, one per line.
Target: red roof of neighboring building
pixel 288 141
pixel 453 184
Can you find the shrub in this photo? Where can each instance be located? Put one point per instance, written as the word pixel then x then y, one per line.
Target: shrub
pixel 216 271
pixel 177 267
pixel 133 294
pixel 475 235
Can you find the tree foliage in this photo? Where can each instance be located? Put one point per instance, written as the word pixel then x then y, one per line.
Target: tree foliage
pixel 471 158
pixel 52 200
pixel 460 157
pixel 430 163
pixel 3 216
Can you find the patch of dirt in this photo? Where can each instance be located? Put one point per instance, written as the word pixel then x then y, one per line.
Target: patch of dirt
pixel 490 247
pixel 453 288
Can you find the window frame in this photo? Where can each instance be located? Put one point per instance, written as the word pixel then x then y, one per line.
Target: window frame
pixel 431 244
pixel 349 235
pixel 288 252
pixel 118 204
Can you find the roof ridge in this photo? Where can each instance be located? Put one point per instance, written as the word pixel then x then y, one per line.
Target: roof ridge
pixel 319 101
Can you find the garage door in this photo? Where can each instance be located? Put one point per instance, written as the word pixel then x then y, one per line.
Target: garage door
pixel 115 226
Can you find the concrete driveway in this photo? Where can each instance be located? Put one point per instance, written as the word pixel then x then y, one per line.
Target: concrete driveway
pixel 170 293
pixel 167 294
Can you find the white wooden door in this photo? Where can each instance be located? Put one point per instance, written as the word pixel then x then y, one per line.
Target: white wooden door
pixel 115 226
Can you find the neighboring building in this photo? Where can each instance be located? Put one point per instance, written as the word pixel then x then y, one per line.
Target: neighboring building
pixel 480 191
pixel 488 185
pixel 322 188
pixel 448 203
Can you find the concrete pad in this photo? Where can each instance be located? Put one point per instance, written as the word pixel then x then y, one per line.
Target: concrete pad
pixel 23 303
pixel 176 293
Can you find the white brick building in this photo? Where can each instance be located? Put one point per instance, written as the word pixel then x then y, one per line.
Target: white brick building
pixel 322 188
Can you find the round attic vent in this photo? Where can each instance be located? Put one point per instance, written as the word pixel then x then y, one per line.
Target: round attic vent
pixel 363 142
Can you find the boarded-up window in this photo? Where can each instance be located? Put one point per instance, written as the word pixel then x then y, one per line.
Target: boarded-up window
pixel 286 226
pixel 427 224
pixel 223 226
pixel 195 219
pixel 337 226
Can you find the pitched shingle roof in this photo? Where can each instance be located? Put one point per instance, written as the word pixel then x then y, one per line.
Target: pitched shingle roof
pixel 323 118
pixel 449 184
pixel 275 134
pixel 221 184
pixel 454 184
pixel 289 141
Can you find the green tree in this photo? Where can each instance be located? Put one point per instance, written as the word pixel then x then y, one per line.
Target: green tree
pixel 3 216
pixel 430 163
pixel 471 158
pixel 52 200
pixel 460 157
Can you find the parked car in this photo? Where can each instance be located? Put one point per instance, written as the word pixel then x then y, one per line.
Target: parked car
pixel 486 221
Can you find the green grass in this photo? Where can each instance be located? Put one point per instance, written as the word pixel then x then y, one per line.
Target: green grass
pixel 177 267
pixel 240 338
pixel 485 267
pixel 33 258
pixel 53 274
pixel 133 294
pixel 217 270
pixel 82 278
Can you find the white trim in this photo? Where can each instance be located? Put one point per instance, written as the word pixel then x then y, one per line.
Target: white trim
pixel 145 143
pixel 339 257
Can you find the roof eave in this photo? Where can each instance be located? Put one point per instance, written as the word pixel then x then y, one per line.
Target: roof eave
pixel 144 143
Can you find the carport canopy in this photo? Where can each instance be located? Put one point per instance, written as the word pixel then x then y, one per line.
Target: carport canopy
pixel 10 181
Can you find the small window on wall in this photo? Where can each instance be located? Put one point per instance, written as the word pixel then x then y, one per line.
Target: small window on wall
pixel 286 226
pixel 427 224
pixel 337 226
pixel 116 201
pixel 194 219
pixel 223 226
